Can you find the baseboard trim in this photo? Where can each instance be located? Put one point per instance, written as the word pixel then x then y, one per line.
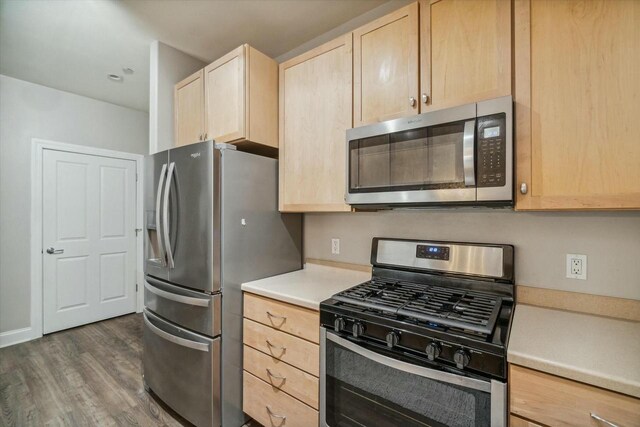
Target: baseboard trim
pixel 16 336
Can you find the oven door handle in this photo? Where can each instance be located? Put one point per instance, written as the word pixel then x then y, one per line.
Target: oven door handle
pixel 468 153
pixel 410 368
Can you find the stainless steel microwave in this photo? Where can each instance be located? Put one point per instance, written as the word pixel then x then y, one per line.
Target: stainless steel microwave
pixel 456 156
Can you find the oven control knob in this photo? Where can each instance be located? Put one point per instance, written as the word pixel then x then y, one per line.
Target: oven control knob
pixel 338 324
pixel 357 329
pixel 461 358
pixel 392 339
pixel 433 350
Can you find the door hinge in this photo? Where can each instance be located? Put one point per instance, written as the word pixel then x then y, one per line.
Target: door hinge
pixel 136 177
pixel 136 287
pixel 138 230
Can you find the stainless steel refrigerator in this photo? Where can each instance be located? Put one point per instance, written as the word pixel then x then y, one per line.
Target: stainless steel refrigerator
pixel 212 223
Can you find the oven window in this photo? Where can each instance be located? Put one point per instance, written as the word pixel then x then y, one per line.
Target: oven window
pixel 363 392
pixel 421 159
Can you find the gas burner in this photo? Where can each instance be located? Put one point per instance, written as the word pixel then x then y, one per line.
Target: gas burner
pixel 466 310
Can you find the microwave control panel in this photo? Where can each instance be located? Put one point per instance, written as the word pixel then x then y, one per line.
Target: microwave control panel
pixel 491 151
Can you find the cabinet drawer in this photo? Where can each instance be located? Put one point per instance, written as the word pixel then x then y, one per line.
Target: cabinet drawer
pixel 287 348
pixel 269 405
pixel 520 422
pixel 298 321
pixel 556 401
pixel 297 383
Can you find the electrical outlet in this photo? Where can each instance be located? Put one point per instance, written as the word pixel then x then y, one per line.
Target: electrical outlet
pixel 576 266
pixel 335 246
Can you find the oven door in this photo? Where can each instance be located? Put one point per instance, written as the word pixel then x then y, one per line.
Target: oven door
pixel 400 161
pixel 360 387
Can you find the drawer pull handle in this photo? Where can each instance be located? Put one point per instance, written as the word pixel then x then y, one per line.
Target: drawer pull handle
pixel 276 316
pixel 282 349
pixel 278 377
pixel 602 420
pixel 274 415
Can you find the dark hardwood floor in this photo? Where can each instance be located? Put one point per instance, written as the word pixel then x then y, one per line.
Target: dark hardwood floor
pixel 86 376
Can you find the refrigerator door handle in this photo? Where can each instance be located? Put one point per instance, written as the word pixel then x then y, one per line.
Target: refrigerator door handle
pixel 174 339
pixel 158 223
pixel 165 211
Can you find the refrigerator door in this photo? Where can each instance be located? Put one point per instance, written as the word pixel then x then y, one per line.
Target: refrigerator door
pixel 182 368
pixel 155 177
pixel 189 207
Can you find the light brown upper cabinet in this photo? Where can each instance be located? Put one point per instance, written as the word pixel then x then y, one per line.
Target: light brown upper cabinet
pixel 234 100
pixel 188 98
pixel 315 112
pixel 577 96
pixel 465 51
pixel 385 65
pixel 241 98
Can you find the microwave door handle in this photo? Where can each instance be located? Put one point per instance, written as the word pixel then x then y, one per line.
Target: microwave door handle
pixel 158 223
pixel 468 153
pixel 165 209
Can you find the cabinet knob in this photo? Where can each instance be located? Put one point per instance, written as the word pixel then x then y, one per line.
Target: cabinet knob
pixel 205 137
pixel 523 188
pixel 425 98
pixel 200 137
pixel 412 101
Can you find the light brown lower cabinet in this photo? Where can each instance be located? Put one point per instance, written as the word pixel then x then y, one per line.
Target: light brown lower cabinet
pixel 281 363
pixel 271 406
pixel 554 401
pixel 521 422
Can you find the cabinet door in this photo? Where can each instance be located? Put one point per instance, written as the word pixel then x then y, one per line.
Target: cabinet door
pixel 226 97
pixel 315 112
pixel 385 61
pixel 577 96
pixel 465 51
pixel 189 109
pixel 520 422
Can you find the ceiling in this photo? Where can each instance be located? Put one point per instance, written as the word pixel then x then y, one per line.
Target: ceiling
pixel 72 45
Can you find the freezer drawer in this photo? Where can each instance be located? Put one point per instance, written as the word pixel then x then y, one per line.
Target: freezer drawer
pixel 193 310
pixel 183 369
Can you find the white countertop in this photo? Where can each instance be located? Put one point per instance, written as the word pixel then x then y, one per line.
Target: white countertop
pixel 307 287
pixel 596 350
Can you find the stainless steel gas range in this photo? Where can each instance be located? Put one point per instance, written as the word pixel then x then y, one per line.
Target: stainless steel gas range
pixel 423 343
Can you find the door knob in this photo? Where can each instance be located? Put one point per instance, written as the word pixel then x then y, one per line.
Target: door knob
pixel 55 251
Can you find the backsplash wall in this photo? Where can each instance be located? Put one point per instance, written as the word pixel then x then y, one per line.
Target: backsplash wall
pixel 611 241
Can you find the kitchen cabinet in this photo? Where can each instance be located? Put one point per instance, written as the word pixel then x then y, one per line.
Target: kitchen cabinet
pixel 385 67
pixel 576 99
pixel 281 366
pixel 188 98
pixel 315 112
pixel 232 100
pixel 551 400
pixel 241 98
pixel 465 51
pixel 519 422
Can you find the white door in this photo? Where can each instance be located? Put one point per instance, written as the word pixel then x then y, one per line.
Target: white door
pixel 89 210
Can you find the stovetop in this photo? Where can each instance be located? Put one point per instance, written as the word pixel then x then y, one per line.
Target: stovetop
pixel 436 305
pixel 451 310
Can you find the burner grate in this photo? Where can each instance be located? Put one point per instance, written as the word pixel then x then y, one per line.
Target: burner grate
pixel 457 308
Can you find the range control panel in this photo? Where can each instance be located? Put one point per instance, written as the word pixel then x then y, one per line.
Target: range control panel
pixel 433 252
pixel 492 151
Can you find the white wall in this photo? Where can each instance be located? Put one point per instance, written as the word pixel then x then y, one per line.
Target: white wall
pixel 29 111
pixel 611 240
pixel 167 67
